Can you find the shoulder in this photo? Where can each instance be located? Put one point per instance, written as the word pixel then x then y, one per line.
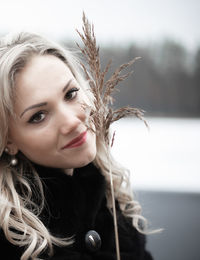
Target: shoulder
pixel 130 239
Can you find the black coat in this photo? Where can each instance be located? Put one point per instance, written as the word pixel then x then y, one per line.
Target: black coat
pixel 74 205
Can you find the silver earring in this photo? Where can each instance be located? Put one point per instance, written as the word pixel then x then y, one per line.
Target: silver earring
pixel 14 161
pixel 6 150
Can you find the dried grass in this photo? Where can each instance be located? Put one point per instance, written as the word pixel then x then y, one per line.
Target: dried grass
pixel 103 115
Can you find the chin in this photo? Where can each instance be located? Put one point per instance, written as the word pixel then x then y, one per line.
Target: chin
pixel 90 158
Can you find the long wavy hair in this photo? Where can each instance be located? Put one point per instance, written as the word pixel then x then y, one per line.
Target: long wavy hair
pixel 21 192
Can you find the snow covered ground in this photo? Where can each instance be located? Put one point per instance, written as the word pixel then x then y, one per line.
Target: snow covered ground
pixel 164 158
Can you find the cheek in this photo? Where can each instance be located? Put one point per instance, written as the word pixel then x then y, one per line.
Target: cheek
pixel 32 141
pixel 87 106
pixel 92 143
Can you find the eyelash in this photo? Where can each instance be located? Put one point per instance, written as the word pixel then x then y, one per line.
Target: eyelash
pixel 70 95
pixel 70 92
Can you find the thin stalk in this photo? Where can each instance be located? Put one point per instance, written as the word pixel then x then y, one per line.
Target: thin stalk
pixel 114 211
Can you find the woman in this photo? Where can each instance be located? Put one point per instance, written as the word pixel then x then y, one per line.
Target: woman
pixel 55 197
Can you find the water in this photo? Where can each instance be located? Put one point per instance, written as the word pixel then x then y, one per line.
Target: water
pixel 178 213
pixel 164 158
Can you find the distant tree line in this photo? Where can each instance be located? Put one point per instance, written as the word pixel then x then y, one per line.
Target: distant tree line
pixel 165 81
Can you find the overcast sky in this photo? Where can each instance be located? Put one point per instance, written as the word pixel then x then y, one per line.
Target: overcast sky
pixel 116 21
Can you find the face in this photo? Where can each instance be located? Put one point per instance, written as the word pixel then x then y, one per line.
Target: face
pixel 50 126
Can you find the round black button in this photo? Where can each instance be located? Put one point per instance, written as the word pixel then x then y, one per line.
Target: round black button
pixel 92 241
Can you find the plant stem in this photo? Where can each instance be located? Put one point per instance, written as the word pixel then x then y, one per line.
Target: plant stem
pixel 114 210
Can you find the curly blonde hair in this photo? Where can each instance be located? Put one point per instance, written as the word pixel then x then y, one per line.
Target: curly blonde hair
pixel 19 215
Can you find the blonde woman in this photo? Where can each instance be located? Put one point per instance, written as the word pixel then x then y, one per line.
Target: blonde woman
pixel 55 197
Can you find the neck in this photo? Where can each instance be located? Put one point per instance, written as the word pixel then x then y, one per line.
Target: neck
pixel 69 171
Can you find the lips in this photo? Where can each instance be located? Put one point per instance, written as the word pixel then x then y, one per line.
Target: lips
pixel 78 141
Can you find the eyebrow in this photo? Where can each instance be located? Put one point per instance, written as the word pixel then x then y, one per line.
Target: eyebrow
pixel 44 103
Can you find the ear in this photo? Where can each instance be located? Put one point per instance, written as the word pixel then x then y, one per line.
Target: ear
pixel 12 148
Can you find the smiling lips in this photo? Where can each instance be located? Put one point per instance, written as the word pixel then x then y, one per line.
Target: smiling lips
pixel 78 141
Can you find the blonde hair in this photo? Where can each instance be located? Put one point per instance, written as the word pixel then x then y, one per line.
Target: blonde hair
pixel 18 213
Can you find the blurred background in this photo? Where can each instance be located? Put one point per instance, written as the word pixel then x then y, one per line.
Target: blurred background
pixel 164 160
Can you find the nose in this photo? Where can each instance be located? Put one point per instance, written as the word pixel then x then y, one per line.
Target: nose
pixel 69 119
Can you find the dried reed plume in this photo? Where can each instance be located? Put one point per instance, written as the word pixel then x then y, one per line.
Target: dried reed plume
pixel 103 115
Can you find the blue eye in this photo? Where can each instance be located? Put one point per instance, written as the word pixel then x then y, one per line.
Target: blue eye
pixel 37 117
pixel 71 94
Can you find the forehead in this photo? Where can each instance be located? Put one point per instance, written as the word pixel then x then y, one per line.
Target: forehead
pixel 41 70
pixel 41 75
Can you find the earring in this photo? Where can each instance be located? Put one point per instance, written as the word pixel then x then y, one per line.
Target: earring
pixel 6 150
pixel 14 161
